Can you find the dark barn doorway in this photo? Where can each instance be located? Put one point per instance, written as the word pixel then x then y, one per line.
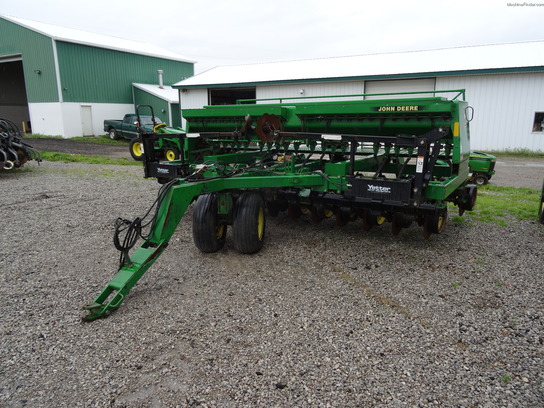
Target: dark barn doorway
pixel 13 100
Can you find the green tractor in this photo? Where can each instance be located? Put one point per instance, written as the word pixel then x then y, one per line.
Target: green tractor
pixel 169 148
pixel 482 167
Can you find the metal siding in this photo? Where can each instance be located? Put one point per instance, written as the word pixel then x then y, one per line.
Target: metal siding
pixel 37 53
pixel 193 98
pixel 160 106
pixel 311 89
pixel 504 107
pixel 176 115
pixel 90 74
pixel 400 85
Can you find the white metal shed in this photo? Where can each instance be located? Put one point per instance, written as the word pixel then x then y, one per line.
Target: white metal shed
pixel 504 83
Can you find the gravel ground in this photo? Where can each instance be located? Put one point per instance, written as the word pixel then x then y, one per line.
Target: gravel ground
pixel 321 317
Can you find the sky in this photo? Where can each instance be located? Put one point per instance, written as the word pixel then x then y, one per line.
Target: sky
pixel 234 32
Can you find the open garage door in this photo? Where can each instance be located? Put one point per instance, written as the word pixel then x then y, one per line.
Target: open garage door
pixel 13 101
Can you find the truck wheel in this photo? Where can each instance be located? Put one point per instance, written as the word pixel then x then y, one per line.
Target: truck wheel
pixel 208 234
pixel 136 148
pixel 249 222
pixel 112 134
pixel 171 153
pixel 481 179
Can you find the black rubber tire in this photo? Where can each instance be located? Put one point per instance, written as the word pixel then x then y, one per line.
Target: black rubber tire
pixel 171 153
pixel 113 134
pixel 208 234
pixel 480 180
pixel 541 208
pixel 399 221
pixel 249 222
pixel 136 149
pixel 371 220
pixel 468 198
pixel 436 223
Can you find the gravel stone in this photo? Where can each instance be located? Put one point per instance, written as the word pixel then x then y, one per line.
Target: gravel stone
pixel 322 316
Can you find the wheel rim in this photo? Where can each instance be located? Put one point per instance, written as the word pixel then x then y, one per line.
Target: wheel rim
pixel 112 134
pixel 219 231
pixel 170 155
pixel 137 149
pixel 260 224
pixel 380 220
pixel 441 222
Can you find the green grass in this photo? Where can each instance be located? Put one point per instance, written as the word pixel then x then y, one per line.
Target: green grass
pixel 80 158
pixel 530 154
pixel 501 205
pixel 104 139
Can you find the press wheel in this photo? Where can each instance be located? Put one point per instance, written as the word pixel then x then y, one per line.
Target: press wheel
pixel 435 223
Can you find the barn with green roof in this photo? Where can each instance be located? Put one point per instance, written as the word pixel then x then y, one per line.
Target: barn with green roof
pixel 61 81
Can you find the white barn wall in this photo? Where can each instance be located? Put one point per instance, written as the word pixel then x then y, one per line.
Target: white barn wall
pixel 193 98
pixel 504 105
pixel 64 119
pixel 311 89
pixel 46 118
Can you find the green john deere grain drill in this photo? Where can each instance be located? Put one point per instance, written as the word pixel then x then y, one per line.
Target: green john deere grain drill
pixel 400 160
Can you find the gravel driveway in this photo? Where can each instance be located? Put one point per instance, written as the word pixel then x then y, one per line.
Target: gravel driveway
pixel 321 317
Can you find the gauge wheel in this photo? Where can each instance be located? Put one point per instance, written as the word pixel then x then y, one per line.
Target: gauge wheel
pixel 435 223
pixel 171 153
pixel 468 199
pixel 112 134
pixel 372 220
pixel 208 233
pixel 136 148
pixel 249 222
pixel 400 221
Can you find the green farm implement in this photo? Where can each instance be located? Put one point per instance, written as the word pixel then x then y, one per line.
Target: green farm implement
pixel 400 160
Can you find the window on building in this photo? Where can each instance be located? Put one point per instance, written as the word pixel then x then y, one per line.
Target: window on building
pixel 538 125
pixel 229 96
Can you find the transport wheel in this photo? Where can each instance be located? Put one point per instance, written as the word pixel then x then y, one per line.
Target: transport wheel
pixel 171 153
pixel 136 148
pixel 249 222
pixel 112 134
pixel 208 234
pixel 435 223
